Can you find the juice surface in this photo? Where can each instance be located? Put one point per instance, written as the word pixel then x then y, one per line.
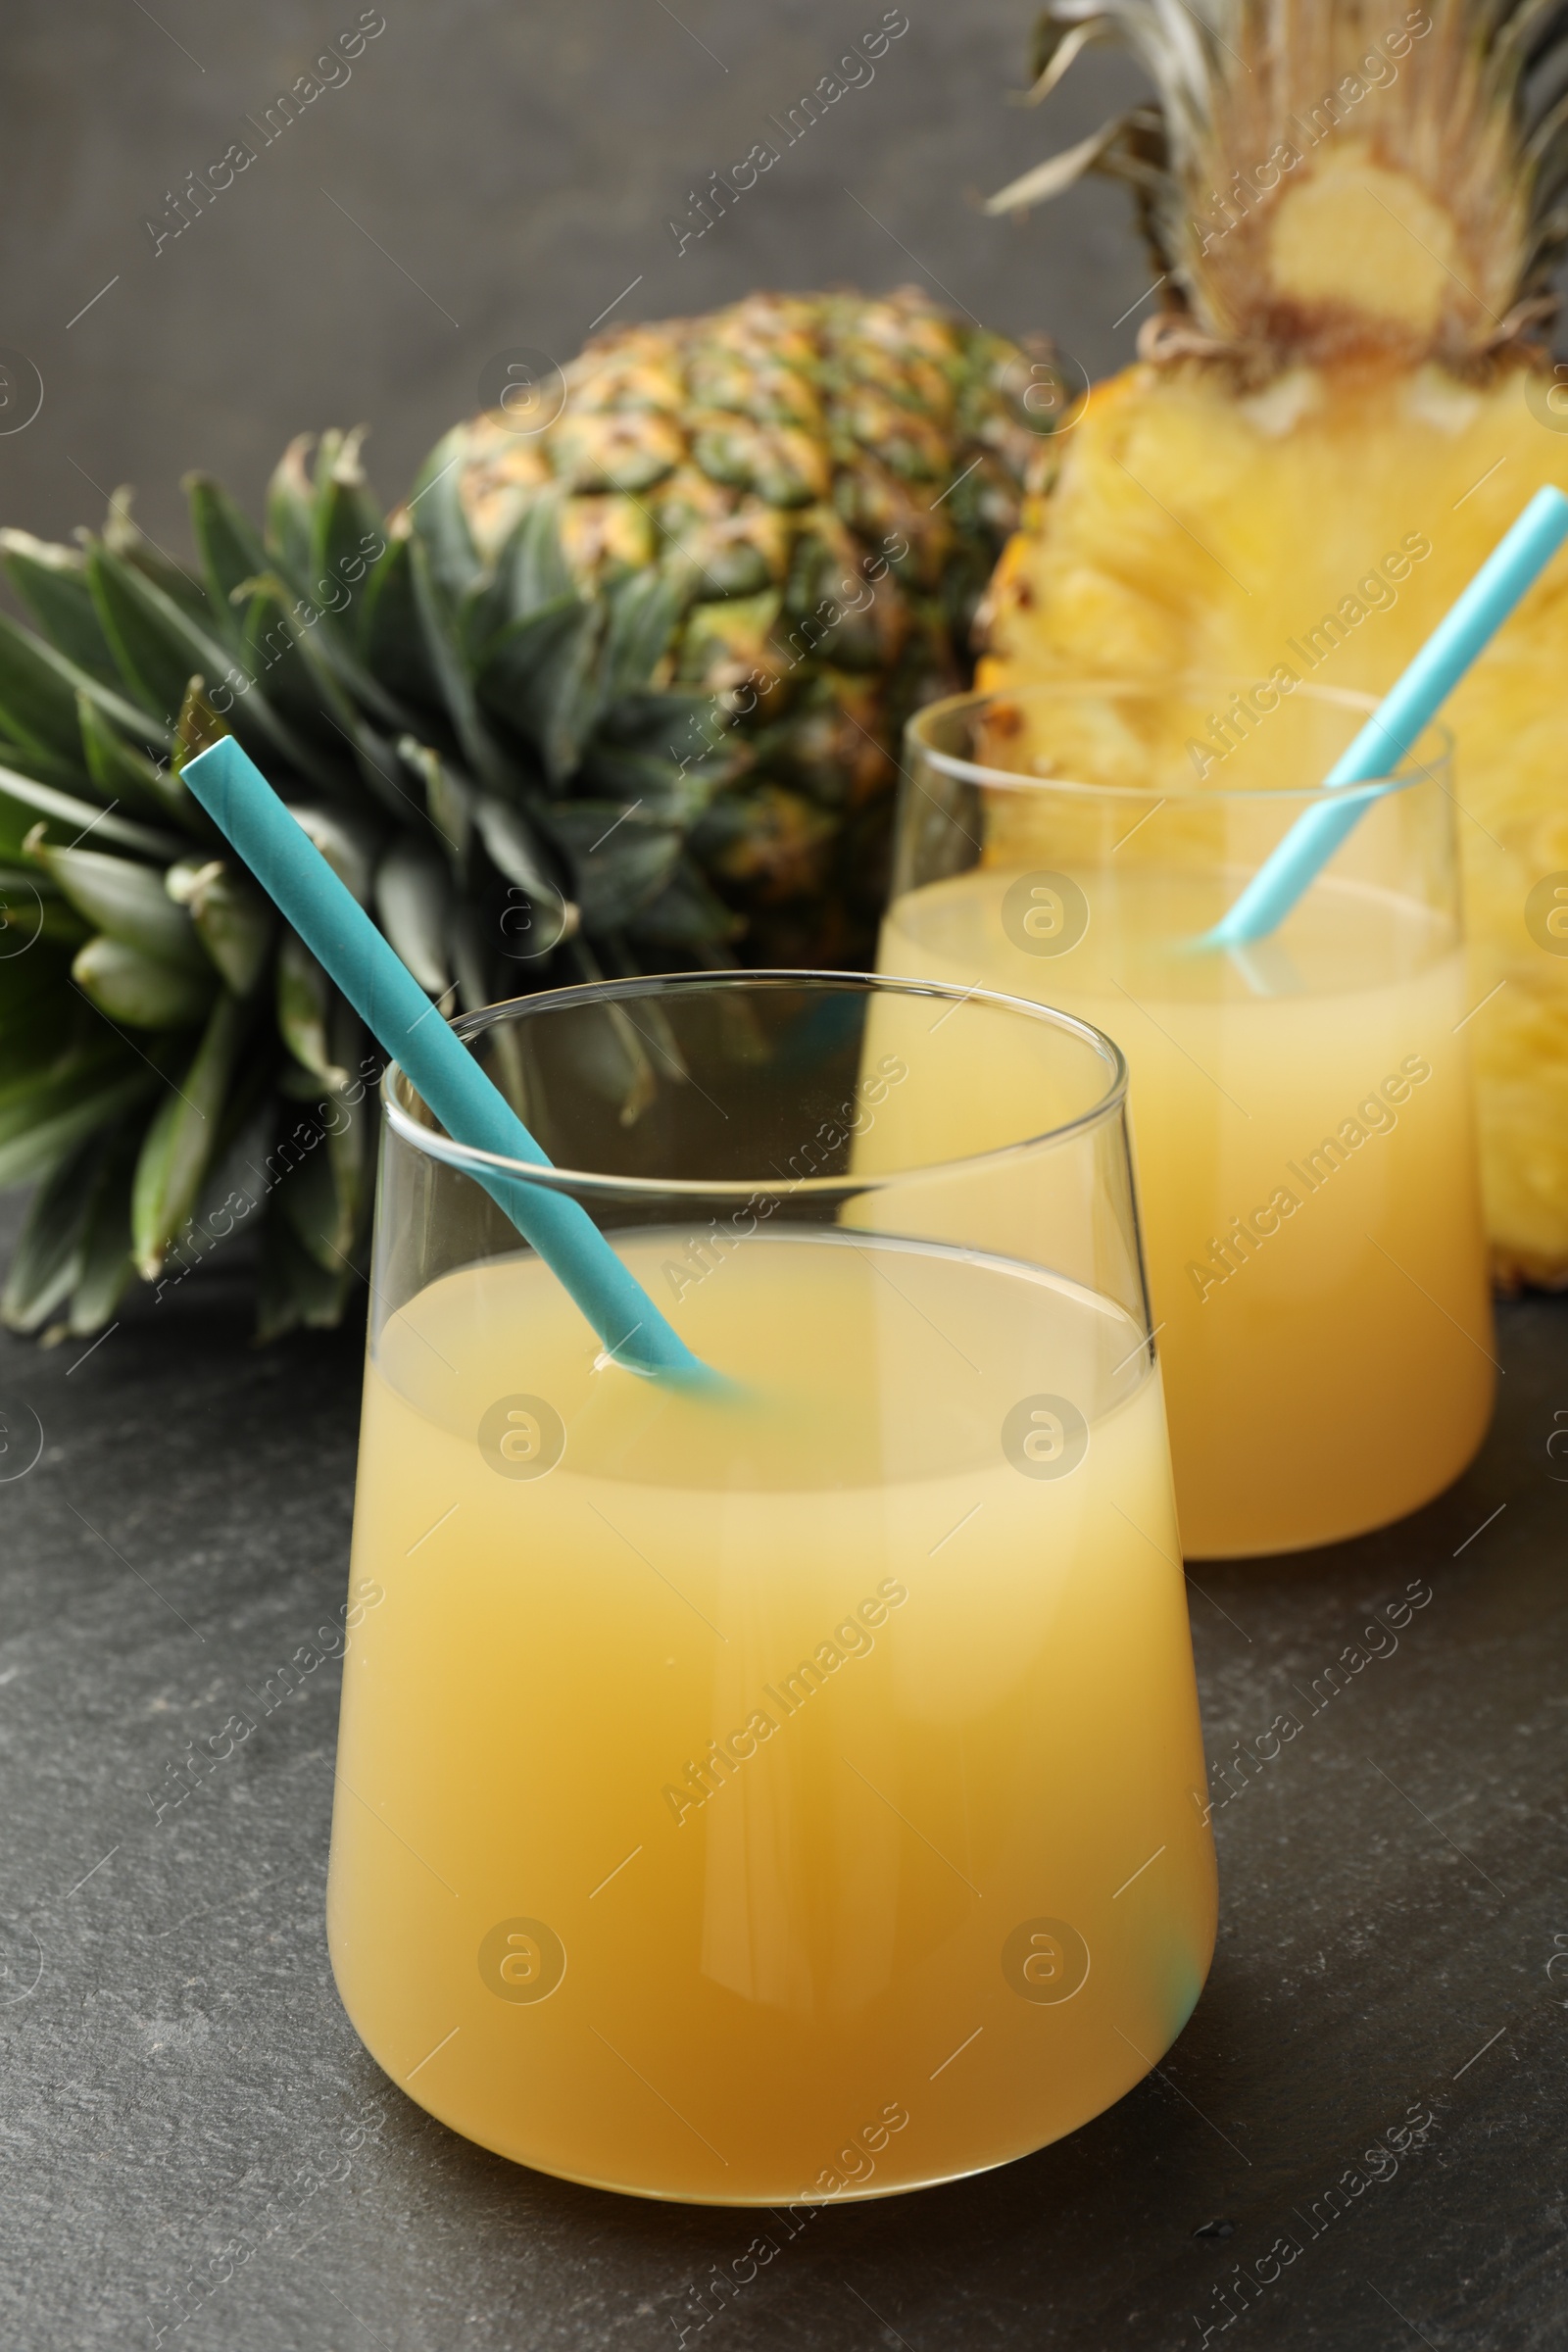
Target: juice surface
pixel 1306 1181
pixel 783 1798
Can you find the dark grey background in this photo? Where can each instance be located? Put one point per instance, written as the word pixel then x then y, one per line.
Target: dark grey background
pixel 510 168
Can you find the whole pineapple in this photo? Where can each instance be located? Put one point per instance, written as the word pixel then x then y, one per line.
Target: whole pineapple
pixel 1355 212
pixel 626 695
pixel 826 476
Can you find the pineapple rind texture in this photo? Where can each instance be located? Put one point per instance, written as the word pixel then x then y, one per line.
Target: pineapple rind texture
pixel 830 478
pixel 1190 530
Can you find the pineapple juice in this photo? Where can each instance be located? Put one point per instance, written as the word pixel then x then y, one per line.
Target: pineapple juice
pixel 1302 1123
pixel 779 1798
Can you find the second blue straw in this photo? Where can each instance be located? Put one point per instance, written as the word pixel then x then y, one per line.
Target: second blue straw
pixel 1513 566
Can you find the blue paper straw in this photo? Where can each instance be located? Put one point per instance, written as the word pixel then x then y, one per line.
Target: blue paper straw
pixel 1514 565
pixel 395 1008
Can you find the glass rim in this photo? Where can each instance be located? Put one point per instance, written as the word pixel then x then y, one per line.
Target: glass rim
pixel 469 1158
pixel 1435 734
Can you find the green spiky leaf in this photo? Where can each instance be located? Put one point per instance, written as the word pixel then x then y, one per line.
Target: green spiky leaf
pixel 126 901
pixel 475 738
pixel 293 1288
pixel 31 912
pixel 348 533
pixel 198 727
pixel 621 862
pixel 138 990
pixel 644 610
pixel 182 1139
pixel 529 572
pixel 44 768
pixel 230 549
pixel 322 1209
pixel 317 680
pixel 235 922
pixel 107 1266
pixel 413 906
pixel 122 772
pixel 290 501
pixel 440 522
pixel 541 676
pixel 152 640
pixel 39 693
pixel 517 849
pixel 687 914
pixel 274 654
pixel 73 819
pixel 449 801
pixel 43 1117
pixel 131 544
pixel 389 631
pixel 304 1010
pixel 470 958
pixel 349 842
pixel 52 582
pixel 51 1251
pixel 162 646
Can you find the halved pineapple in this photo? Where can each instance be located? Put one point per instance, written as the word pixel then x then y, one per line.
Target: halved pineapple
pixel 1355 214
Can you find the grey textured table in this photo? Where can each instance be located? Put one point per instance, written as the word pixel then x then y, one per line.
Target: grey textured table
pixel 194 2142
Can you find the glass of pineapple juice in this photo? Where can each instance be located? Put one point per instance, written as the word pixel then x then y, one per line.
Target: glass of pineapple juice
pixel 792 1790
pixel 1302 1108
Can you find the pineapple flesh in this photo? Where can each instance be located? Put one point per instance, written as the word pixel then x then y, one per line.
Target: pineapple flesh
pixel 1343 410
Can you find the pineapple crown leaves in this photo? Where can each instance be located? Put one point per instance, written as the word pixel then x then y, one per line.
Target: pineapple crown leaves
pixel 544 721
pixel 456 733
pixel 549 681
pixel 1454 118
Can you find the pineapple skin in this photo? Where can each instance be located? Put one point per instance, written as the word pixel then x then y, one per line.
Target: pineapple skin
pixel 1189 527
pixel 832 476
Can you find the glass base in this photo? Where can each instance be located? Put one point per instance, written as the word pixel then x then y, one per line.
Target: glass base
pixel 784 2202
pixel 1322 1538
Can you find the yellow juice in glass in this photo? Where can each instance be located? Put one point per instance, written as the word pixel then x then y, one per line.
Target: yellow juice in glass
pixel 1307 1177
pixel 784 1798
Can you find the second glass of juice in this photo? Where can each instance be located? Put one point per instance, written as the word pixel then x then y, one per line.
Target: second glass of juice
pixel 1300 1108
pixel 788 1788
